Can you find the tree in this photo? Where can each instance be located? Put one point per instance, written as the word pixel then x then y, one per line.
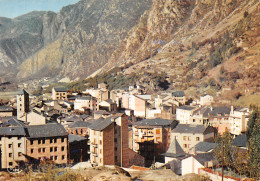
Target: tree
pixel 241 161
pixel 254 145
pixel 254 117
pixel 223 151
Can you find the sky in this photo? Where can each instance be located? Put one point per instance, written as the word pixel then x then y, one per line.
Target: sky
pixel 14 8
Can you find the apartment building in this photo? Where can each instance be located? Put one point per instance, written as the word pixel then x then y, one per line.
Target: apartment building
pixel 6 111
pixel 80 128
pixel 151 137
pixel 183 114
pixel 108 141
pixel 238 119
pixel 188 135
pixel 13 146
pixel 49 141
pixel 59 93
pixel 179 96
pixel 85 102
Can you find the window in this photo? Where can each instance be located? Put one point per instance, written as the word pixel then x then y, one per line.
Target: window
pixel 185 145
pixel 115 139
pixel 55 140
pixel 51 158
pixel 43 150
pixel 62 140
pixel 19 138
pixel 10 154
pixel 9 137
pixel 115 158
pixel 31 142
pixel 10 146
pixel 115 148
pixel 158 131
pixel 62 148
pixel 194 120
pixel 10 163
pixel 51 140
pixel 100 142
pixel 39 150
pixel 100 151
pixel 189 138
pixel 197 138
pixel 184 138
pixel 43 141
pixel 31 150
pixel 19 153
pixel 56 157
pixel 51 149
pixel 39 142
pixel 63 157
pixel 19 145
pixel 55 149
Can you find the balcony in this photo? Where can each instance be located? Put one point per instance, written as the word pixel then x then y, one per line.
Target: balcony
pixel 94 145
pixel 94 154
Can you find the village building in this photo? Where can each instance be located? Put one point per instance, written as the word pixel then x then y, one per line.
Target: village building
pixel 183 114
pixel 108 105
pixel 85 102
pixel 49 141
pixel 6 111
pixel 179 96
pixel 13 145
pixel 189 135
pixel 200 116
pixel 219 119
pixel 59 93
pixel 151 137
pixel 78 147
pixel 80 128
pixel 206 100
pixel 108 141
pixel 22 104
pixel 238 119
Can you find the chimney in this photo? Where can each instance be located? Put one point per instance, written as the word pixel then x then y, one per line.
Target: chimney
pixel 232 109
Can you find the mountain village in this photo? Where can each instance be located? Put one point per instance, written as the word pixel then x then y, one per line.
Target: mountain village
pixel 123 127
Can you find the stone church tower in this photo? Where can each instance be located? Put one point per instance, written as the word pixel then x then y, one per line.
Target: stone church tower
pixel 22 104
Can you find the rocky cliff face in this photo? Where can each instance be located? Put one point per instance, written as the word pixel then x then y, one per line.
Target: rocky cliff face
pixel 77 40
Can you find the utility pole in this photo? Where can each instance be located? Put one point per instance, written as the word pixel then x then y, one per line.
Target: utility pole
pixel 222 161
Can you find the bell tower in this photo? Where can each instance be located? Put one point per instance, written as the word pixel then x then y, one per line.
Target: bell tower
pixel 22 104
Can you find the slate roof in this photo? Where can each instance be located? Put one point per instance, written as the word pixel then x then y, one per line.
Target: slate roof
pixel 22 92
pixel 73 138
pixel 189 128
pixel 72 118
pixel 87 98
pixel 100 124
pixel 202 158
pixel 220 110
pixel 12 131
pixel 80 124
pixel 205 146
pixel 60 89
pixel 13 122
pixel 46 130
pixel 178 94
pixel 240 140
pixel 5 108
pixel 154 122
pixel 175 150
pixel 188 108
pixel 204 110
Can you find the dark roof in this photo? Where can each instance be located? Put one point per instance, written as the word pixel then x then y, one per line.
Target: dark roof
pixel 5 108
pixel 103 112
pixel 100 124
pixel 154 122
pixel 240 140
pixel 80 124
pixel 178 94
pixel 110 101
pixel 87 98
pixel 220 110
pixel 175 150
pixel 189 128
pixel 204 110
pixel 186 108
pixel 72 118
pixel 72 138
pixel 204 157
pixel 13 122
pixel 60 89
pixel 22 92
pixel 205 146
pixel 46 130
pixel 12 131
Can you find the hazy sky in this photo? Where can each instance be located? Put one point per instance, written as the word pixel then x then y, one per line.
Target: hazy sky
pixel 14 8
